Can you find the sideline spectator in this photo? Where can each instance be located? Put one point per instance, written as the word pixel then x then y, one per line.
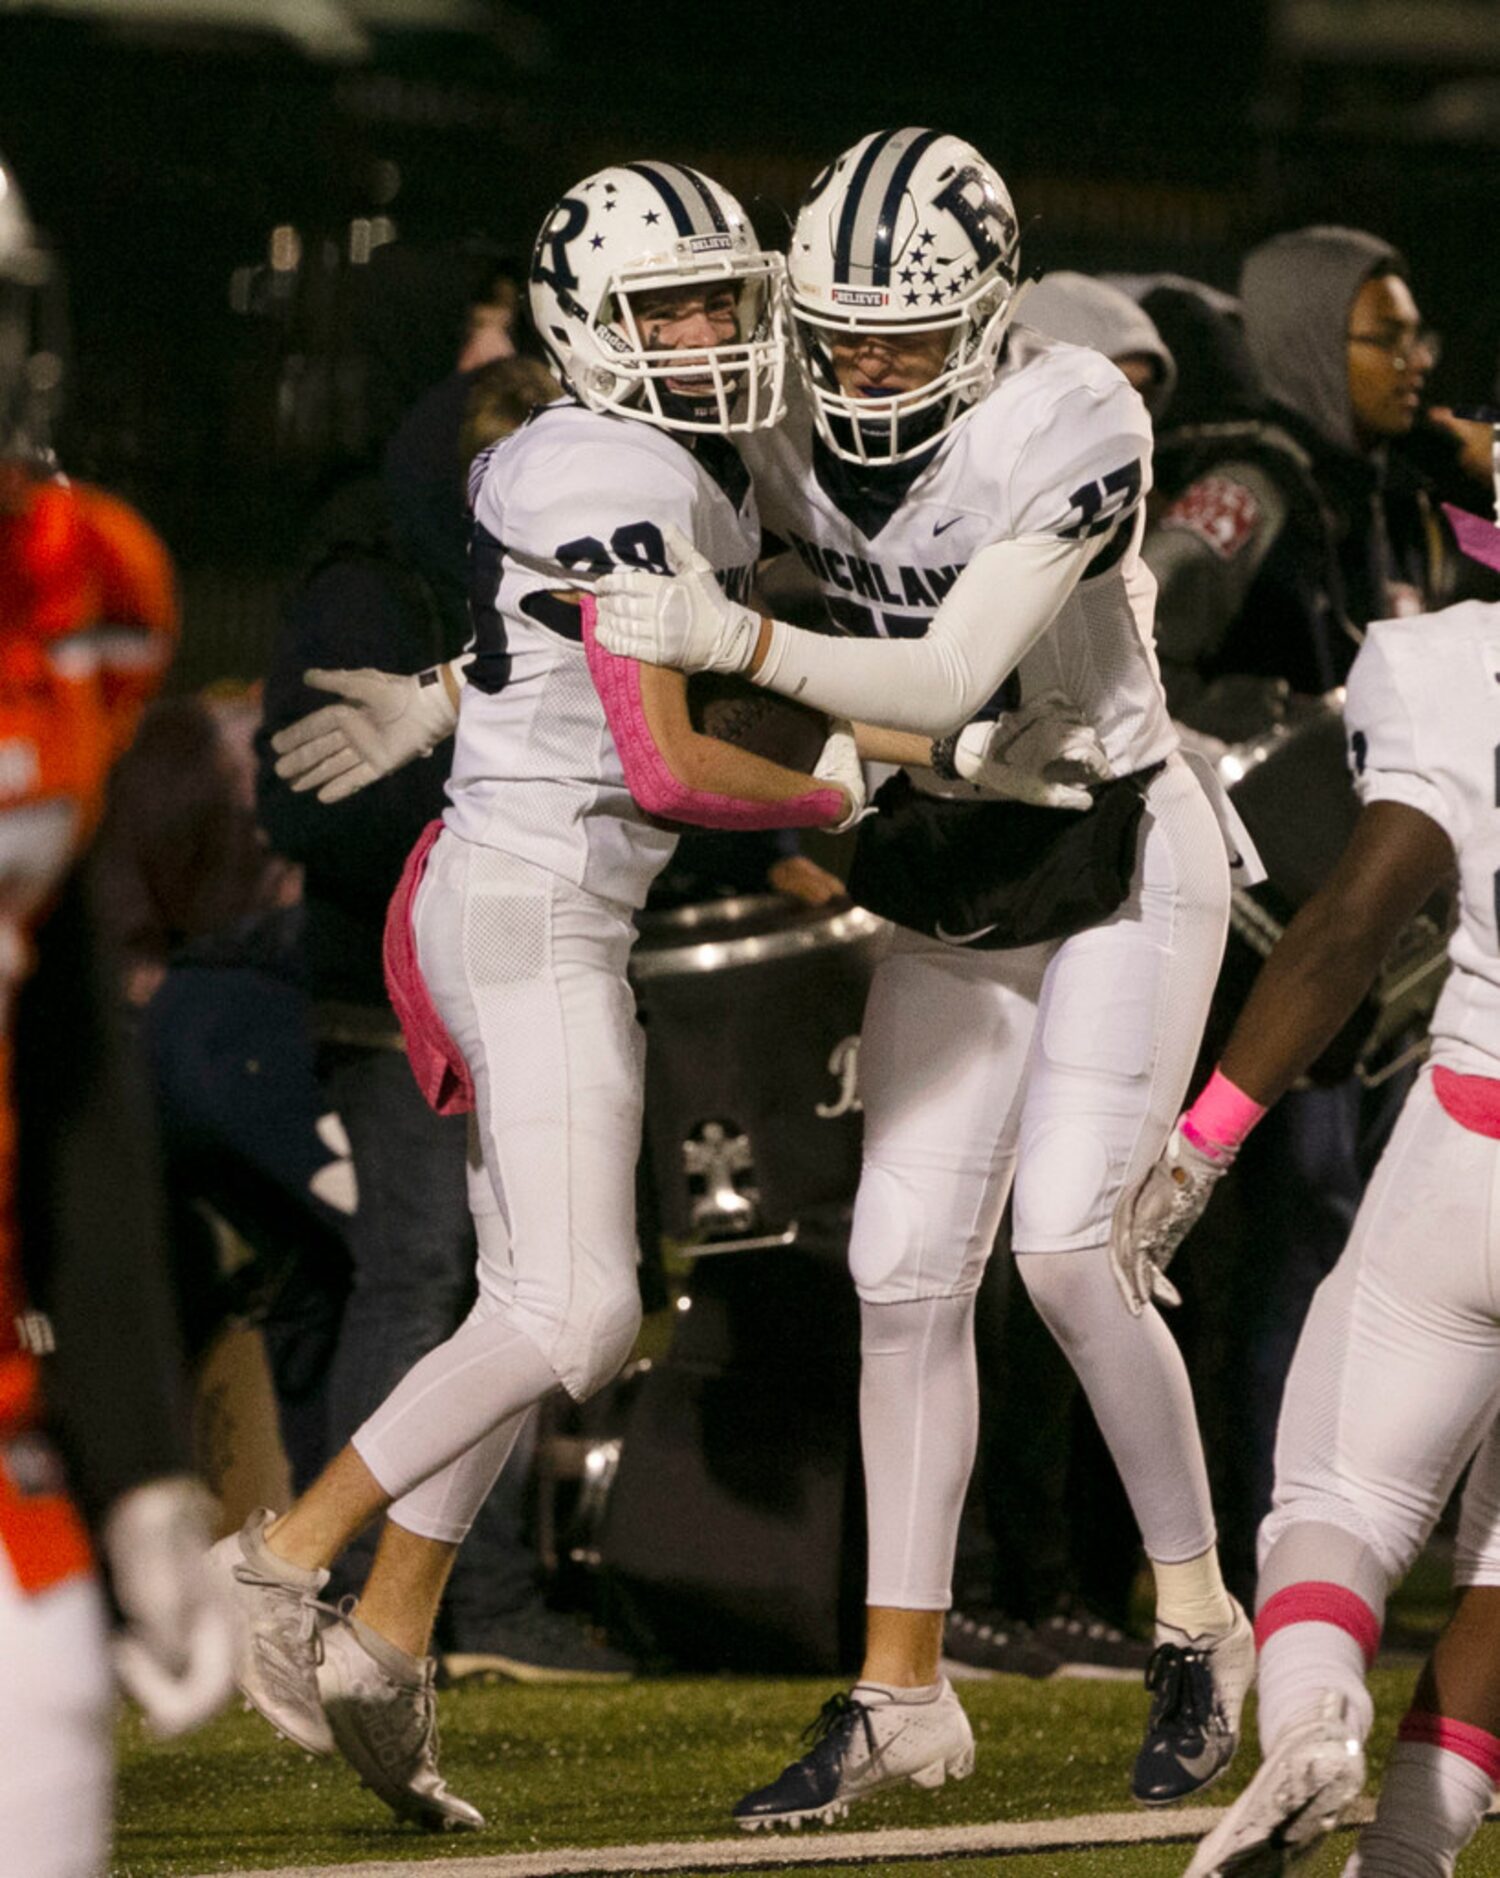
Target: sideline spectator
pixel 1288 533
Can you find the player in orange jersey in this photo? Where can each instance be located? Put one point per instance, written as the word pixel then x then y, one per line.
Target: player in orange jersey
pixel 90 1428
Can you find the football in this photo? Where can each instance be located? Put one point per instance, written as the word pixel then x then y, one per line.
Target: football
pixel 762 722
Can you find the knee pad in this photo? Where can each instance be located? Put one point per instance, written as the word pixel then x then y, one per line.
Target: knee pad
pixel 921 1235
pixel 1063 1186
pixel 589 1348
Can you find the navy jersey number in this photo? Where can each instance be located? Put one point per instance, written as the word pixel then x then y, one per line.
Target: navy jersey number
pixel 1100 504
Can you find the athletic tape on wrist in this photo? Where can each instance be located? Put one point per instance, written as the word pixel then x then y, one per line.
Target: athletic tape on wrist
pixel 1221 1118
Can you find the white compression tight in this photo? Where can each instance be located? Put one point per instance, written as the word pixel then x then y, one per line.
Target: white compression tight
pixel 919 1421
pixel 919 1417
pixel 438 1441
pixel 1137 1385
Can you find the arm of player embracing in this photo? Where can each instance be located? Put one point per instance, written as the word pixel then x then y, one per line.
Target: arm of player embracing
pixel 681 775
pixel 1308 989
pixel 996 610
pixel 385 720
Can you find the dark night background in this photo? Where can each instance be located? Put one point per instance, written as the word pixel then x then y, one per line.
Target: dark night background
pixel 221 394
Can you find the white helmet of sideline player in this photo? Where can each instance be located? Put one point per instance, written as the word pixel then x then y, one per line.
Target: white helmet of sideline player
pixel 910 232
pixel 31 338
pixel 623 239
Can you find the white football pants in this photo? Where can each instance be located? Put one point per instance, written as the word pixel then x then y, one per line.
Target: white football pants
pixel 527 972
pixel 1396 1378
pixel 57 1711
pixel 1060 1067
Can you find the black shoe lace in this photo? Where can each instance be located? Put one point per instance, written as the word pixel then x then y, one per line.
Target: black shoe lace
pixel 839 1714
pixel 1181 1688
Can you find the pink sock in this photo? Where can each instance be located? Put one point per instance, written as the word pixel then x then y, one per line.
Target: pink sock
pixel 1313 1637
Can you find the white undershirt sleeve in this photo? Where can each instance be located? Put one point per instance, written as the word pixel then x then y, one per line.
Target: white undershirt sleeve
pixel 993 614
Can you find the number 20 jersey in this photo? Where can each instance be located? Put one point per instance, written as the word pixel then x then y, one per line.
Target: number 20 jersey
pixel 535 770
pixel 1422 713
pixel 1060 445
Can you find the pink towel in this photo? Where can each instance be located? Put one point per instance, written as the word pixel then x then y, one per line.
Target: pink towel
pixel 436 1061
pixel 647 775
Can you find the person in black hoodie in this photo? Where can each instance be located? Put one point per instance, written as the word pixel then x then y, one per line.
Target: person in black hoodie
pixel 387 588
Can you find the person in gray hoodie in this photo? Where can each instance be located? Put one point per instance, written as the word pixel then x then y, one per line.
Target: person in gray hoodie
pixel 1284 536
pixel 1089 312
pixel 1292 530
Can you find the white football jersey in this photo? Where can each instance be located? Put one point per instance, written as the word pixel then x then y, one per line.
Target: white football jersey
pixel 1423 725
pixel 1422 711
pixel 535 770
pixel 1060 445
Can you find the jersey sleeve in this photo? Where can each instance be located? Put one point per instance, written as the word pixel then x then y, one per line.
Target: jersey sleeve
pixel 1085 465
pixel 589 505
pixel 1391 751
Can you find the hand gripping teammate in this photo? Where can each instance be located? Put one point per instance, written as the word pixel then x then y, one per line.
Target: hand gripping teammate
pixel 666 324
pixel 1396 1378
pixel 969 496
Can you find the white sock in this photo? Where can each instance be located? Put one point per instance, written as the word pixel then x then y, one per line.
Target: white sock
pixel 1431 1804
pixel 1190 1597
pixel 1298 1665
pixel 894 1692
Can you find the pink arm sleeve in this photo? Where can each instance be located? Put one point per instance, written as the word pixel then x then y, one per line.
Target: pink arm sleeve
pixel 649 776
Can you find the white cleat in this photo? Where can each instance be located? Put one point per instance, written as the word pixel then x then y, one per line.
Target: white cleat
pixel 278 1646
pixel 863 1743
pixel 1305 1785
pixel 382 1708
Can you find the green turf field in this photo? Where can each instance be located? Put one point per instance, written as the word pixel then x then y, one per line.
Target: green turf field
pixel 651 1761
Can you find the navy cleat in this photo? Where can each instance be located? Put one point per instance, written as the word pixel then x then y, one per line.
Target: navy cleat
pixel 1198 1687
pixel 861 1744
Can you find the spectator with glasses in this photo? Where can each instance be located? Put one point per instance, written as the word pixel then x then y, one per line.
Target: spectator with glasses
pixel 1284 535
pixel 1291 531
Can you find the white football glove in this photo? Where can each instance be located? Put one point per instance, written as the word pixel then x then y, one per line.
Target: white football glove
pixel 1043 753
pixel 839 764
pixel 1156 1215
pixel 388 719
pixel 683 619
pixel 175 1655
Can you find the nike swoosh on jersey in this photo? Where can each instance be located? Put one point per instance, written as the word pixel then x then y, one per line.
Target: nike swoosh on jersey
pixel 961 938
pixel 941 528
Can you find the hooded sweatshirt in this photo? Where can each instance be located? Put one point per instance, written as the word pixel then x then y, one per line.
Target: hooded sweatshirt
pixel 1295 292
pixel 1088 312
pixel 1285 542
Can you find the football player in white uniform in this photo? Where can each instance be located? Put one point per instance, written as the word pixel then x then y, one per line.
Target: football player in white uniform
pixel 969 496
pixel 666 323
pixel 1396 1378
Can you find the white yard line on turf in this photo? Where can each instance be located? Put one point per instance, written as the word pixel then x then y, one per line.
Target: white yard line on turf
pixel 764 1849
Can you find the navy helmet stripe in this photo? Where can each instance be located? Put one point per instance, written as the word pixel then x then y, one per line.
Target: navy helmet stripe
pixel 885 231
pixel 693 206
pixel 844 240
pixel 675 204
pixel 696 182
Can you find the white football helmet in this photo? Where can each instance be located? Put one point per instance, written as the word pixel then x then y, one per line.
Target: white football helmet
pixel 652 227
pixel 908 232
pixel 31 338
